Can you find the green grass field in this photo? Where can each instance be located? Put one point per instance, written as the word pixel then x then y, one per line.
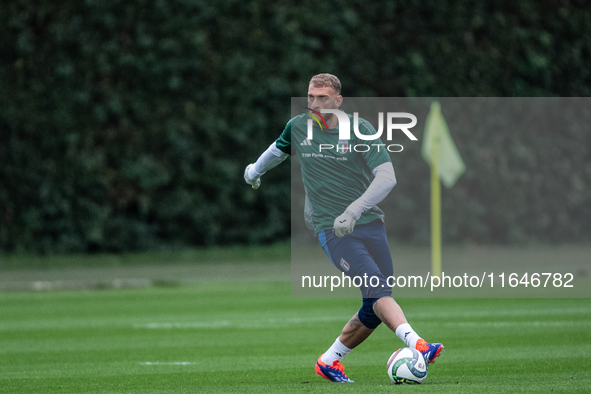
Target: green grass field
pixel 224 336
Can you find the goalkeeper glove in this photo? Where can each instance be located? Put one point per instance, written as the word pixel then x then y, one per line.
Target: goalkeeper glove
pixel 254 182
pixel 344 224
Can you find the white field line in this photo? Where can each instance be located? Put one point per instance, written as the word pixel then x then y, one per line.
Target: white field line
pixel 441 314
pixel 284 323
pixel 76 284
pixel 225 324
pixel 169 363
pixel 445 317
pixel 262 323
pixel 277 322
pixel 529 324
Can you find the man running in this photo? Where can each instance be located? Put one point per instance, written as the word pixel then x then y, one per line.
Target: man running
pixel 343 188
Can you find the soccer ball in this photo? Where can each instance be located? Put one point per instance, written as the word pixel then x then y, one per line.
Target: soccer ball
pixel 407 366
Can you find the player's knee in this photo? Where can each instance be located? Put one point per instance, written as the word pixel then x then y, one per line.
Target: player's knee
pixel 366 314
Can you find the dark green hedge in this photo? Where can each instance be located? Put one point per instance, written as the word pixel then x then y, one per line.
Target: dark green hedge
pixel 126 125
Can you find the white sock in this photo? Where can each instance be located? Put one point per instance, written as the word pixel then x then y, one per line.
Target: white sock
pixel 336 352
pixel 408 335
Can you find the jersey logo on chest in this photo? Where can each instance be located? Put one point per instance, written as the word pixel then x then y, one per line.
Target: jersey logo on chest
pixel 342 146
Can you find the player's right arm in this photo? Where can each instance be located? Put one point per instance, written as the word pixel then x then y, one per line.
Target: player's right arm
pixel 272 157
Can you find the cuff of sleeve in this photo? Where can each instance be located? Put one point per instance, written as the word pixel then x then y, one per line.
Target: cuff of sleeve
pixel 253 174
pixel 355 210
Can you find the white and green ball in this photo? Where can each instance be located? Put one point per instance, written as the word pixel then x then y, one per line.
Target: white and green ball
pixel 406 366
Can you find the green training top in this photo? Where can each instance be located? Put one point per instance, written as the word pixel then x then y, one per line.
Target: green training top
pixel 333 178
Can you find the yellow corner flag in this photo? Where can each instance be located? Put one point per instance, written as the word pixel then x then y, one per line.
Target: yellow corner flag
pixel 437 143
pixel 440 152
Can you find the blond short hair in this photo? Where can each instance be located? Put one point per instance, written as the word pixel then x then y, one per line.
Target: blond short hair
pixel 323 80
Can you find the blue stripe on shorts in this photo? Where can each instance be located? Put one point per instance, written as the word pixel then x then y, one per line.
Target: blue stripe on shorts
pixel 322 239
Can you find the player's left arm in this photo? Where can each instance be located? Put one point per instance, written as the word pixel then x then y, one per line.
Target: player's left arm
pixel 383 182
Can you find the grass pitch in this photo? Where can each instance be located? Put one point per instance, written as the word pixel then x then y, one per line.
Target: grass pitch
pixel 232 337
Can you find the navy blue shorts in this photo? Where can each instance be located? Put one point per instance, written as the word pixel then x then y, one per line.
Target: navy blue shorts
pixel 363 253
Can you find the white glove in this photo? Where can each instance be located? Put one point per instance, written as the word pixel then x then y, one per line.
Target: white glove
pixel 344 224
pixel 255 182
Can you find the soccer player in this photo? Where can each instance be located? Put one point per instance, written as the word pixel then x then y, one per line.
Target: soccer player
pixel 343 188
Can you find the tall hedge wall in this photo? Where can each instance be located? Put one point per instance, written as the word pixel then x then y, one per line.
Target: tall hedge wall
pixel 126 125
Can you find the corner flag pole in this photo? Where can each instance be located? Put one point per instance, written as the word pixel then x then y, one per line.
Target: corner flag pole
pixel 440 152
pixel 435 211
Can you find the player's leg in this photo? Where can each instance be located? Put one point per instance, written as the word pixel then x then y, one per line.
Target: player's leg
pixel 363 323
pixel 357 330
pixel 351 336
pixel 354 332
pixel 386 308
pixel 391 314
pixel 350 255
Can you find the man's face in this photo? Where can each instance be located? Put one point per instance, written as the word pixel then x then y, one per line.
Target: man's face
pixel 323 98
